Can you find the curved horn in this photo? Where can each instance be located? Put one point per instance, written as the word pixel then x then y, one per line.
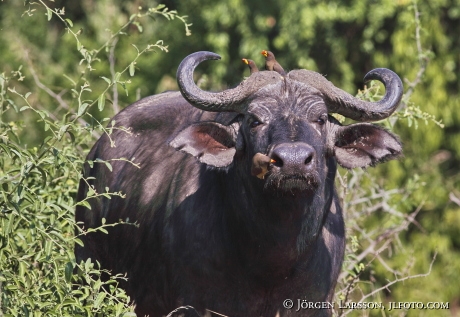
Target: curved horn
pixel 227 100
pixel 345 104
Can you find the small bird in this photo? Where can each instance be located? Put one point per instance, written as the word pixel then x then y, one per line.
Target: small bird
pixel 271 63
pixel 260 164
pixel 252 66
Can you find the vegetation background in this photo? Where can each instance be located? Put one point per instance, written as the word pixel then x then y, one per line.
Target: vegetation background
pixel 66 67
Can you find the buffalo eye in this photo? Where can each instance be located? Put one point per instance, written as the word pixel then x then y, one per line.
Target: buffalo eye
pixel 321 120
pixel 255 123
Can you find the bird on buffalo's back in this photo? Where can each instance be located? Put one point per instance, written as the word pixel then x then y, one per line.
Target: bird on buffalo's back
pixel 252 66
pixel 271 63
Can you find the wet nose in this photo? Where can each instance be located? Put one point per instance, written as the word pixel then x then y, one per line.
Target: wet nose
pixel 293 157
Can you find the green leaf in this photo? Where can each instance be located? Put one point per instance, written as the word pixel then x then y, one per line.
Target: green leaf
pixel 63 129
pixel 108 81
pixel 72 136
pixel 84 203
pixel 139 26
pixel 101 102
pixel 48 247
pixel 69 22
pixel 48 138
pixel 97 285
pixel 22 269
pixel 6 149
pixel 79 242
pixel 43 173
pixel 88 264
pixel 117 76
pixel 49 13
pixel 131 69
pixel 124 87
pixel 109 166
pixel 68 272
pixel 46 292
pixel 82 109
pixel 135 48
pixel 99 299
pixel 43 114
pixel 70 302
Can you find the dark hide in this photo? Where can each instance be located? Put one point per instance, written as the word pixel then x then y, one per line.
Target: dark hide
pixel 211 233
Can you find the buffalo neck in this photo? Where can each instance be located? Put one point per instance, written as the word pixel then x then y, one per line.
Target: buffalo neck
pixel 275 231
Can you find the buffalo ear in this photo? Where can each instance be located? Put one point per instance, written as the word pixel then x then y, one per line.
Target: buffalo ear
pixel 364 144
pixel 210 142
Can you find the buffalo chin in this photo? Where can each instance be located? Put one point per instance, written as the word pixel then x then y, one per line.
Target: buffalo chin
pixel 291 185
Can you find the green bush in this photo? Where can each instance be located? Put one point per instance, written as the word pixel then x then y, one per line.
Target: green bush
pixel 43 140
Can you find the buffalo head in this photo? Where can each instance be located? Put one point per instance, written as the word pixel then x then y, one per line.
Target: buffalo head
pixel 282 130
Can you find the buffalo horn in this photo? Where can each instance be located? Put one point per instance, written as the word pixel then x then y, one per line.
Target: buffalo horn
pixel 227 100
pixel 341 102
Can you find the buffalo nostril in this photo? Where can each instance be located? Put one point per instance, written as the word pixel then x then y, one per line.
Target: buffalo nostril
pixel 308 160
pixel 276 160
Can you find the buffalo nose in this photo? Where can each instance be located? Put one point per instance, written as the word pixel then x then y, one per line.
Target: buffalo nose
pixel 293 157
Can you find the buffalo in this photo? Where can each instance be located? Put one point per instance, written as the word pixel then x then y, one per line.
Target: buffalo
pixel 232 192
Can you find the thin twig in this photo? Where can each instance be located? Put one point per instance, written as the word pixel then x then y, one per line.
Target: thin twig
pixel 383 237
pixel 370 239
pixel 352 283
pixel 40 85
pixel 454 198
pixel 216 313
pixel 401 280
pixel 57 97
pixel 381 194
pixel 397 280
pixel 1 310
pixel 115 105
pixel 423 62
pixel 422 59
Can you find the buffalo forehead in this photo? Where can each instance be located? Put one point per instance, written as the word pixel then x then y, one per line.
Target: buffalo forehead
pixel 288 97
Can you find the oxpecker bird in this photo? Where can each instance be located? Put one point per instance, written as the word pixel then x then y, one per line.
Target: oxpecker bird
pixel 271 63
pixel 252 66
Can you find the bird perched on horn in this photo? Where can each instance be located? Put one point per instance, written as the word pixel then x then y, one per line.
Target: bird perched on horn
pixel 252 66
pixel 271 63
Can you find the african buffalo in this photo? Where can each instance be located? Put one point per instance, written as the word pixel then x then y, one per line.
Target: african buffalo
pixel 233 193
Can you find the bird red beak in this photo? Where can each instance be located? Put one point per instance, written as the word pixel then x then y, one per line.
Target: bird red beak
pixel 264 53
pixel 245 61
